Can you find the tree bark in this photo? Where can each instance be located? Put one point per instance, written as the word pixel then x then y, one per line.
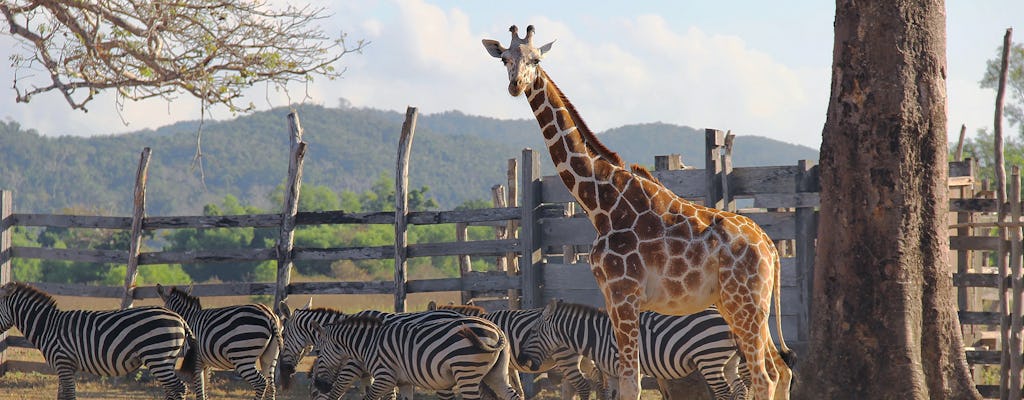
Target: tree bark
pixel 884 322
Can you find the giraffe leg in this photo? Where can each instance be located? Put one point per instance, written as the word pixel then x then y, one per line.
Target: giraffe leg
pixel 625 318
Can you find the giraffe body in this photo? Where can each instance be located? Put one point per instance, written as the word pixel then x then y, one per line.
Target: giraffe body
pixel 655 250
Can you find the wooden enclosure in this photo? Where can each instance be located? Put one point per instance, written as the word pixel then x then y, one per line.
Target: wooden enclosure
pixel 540 242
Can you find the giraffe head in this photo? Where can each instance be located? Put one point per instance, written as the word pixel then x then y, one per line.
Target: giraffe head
pixel 521 58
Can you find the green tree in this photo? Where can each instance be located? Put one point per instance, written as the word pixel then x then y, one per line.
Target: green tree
pixel 1014 108
pixel 225 238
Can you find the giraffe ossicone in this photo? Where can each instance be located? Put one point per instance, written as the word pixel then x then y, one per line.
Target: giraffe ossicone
pixel 655 250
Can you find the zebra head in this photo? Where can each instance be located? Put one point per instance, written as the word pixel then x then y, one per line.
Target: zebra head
pixel 6 309
pixel 298 340
pixel 179 301
pixel 541 340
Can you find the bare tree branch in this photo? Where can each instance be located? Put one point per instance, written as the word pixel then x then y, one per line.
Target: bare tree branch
pixel 211 49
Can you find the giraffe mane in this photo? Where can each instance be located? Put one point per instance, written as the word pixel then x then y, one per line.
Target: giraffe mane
pixel 644 172
pixel 589 139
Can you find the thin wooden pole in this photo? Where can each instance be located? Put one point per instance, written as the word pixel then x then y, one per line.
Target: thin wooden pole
pixel 135 243
pixel 286 241
pixel 713 141
pixel 498 200
pixel 512 228
pixel 1000 172
pixel 402 207
pixel 728 203
pixel 1015 271
pixel 6 226
pixel 959 154
pixel 465 262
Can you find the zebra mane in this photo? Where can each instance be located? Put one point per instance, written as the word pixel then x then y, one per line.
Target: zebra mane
pixel 30 292
pixel 190 300
pixel 584 309
pixel 358 320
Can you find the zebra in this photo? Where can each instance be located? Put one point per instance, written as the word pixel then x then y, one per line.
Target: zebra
pixel 671 347
pixel 300 337
pixel 105 343
pixel 517 324
pixel 244 338
pixel 460 355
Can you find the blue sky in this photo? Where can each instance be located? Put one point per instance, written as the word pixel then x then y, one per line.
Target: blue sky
pixel 757 68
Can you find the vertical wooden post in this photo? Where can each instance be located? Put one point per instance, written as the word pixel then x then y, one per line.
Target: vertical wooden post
pixel 1018 286
pixel 499 200
pixel 963 256
pixel 529 236
pixel 512 227
pixel 286 240
pixel 713 141
pixel 135 242
pixel 6 226
pixel 806 233
pixel 728 203
pixel 465 263
pixel 402 207
pixel 670 162
pixel 1000 173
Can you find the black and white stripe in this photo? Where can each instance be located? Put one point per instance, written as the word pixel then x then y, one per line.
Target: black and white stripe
pixel 244 338
pixel 105 343
pixel 458 355
pixel 671 347
pixel 517 325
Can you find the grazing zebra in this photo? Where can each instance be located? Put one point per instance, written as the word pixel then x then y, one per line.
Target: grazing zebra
pixel 105 343
pixel 300 336
pixel 517 325
pixel 447 355
pixel 671 347
pixel 243 338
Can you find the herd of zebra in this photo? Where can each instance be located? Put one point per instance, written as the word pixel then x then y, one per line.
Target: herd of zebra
pixel 450 349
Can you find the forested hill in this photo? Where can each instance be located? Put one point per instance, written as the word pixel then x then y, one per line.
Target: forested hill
pixel 459 157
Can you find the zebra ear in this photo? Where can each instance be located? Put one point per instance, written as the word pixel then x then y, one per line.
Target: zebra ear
pixel 431 305
pixel 160 291
pixel 189 291
pixel 309 304
pixel 320 330
pixel 285 311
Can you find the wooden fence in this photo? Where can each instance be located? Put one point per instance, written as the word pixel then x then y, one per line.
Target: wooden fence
pixel 542 234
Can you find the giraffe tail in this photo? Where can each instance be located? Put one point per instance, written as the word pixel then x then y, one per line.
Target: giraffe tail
pixel 787 354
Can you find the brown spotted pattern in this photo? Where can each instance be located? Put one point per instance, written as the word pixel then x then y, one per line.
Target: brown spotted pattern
pixel 656 251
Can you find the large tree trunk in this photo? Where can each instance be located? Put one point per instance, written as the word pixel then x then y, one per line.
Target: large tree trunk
pixel 884 322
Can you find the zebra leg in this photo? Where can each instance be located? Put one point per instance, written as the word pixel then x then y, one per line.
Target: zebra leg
pixel 568 365
pixel 496 380
pixel 714 376
pixel 163 371
pixel 199 380
pixel 66 384
pixel 251 374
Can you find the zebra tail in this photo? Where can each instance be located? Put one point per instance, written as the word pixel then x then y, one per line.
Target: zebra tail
pixel 468 333
pixel 191 358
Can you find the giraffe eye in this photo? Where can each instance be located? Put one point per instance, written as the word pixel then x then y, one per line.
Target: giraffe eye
pixel 535 62
pixel 505 61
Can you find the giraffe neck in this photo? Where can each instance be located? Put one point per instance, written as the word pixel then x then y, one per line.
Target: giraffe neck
pixel 582 162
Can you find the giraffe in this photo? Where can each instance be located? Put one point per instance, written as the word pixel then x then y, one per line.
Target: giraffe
pixel 655 250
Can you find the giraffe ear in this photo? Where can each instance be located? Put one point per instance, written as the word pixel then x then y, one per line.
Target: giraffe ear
pixel 494 48
pixel 544 49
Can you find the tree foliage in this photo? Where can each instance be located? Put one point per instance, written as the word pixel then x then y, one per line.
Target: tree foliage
pixel 211 49
pixel 1014 109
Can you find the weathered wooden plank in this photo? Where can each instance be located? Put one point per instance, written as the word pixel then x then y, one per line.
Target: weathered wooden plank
pixel 207 256
pixel 343 217
pixel 778 225
pixel 988 391
pixel 216 289
pixel 466 216
pixel 402 207
pixel 473 281
pixel 973 243
pixel 472 248
pixel 138 213
pixel 976 280
pixel 213 221
pixel 532 189
pixel 19 341
pixel 83 255
pixel 79 290
pixel 552 190
pixel 688 183
pixel 567 231
pixel 750 181
pixel 961 168
pixel 72 221
pixel 344 253
pixel 972 205
pixel 372 287
pixel 982 357
pixel 786 200
pixel 978 317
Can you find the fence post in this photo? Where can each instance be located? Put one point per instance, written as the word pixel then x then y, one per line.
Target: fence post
pixel 806 233
pixel 512 228
pixel 529 236
pixel 402 207
pixel 714 139
pixel 728 203
pixel 1015 271
pixel 291 207
pixel 135 242
pixel 465 262
pixel 6 226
